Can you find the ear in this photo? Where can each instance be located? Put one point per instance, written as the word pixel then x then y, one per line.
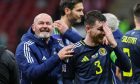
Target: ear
pixel 87 27
pixel 67 10
pixel 33 27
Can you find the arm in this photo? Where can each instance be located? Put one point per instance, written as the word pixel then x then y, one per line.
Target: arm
pixel 28 61
pixel 34 70
pixel 122 60
pixel 29 65
pixel 67 32
pixel 71 35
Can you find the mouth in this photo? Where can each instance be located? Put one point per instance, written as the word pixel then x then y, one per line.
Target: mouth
pixel 44 30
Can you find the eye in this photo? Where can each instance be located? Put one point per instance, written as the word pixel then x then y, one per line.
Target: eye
pixel 41 23
pixel 100 28
pixel 48 23
pixel 79 10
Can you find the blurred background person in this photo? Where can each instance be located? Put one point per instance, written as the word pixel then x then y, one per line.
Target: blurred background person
pixel 131 46
pixel 71 12
pixel 8 66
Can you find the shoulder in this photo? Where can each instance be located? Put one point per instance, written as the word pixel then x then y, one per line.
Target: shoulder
pixel 23 44
pixel 8 56
pixel 78 47
pixel 56 40
pixel 130 32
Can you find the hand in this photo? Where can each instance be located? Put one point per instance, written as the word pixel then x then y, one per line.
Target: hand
pixel 66 52
pixel 61 26
pixel 105 41
pixel 109 36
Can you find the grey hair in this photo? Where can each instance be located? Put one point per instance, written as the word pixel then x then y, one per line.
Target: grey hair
pixel 112 21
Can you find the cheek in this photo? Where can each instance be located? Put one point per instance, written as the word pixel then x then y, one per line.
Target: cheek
pixel 35 29
pixel 51 27
pixel 75 14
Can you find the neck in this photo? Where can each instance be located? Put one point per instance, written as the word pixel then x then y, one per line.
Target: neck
pixel 65 19
pixel 137 26
pixel 90 42
pixel 137 22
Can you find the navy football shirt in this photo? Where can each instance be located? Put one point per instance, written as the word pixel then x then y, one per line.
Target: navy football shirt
pixel 131 46
pixel 89 65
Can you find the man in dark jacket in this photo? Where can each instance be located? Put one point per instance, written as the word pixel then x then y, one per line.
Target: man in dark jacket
pixel 38 55
pixel 8 67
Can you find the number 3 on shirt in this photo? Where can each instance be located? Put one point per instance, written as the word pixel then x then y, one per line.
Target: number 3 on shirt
pixel 100 70
pixel 127 74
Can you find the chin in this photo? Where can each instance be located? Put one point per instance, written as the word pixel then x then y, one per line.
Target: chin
pixel 100 41
pixel 78 21
pixel 44 35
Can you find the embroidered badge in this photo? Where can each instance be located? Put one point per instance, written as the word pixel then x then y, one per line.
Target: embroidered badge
pixel 102 51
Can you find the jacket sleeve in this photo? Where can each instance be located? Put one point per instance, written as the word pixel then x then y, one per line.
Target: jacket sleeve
pixel 68 71
pixel 72 35
pixel 122 59
pixel 29 65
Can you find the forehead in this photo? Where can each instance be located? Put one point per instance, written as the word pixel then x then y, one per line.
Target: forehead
pixel 79 6
pixel 43 18
pixel 98 24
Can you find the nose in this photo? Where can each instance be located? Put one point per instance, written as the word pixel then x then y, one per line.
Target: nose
pixel 103 33
pixel 45 26
pixel 82 14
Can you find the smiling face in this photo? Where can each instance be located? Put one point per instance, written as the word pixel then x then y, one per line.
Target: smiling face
pixel 42 25
pixel 96 32
pixel 94 21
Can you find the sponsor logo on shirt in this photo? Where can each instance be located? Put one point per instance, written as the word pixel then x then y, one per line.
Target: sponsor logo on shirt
pixel 95 56
pixel 85 59
pixel 44 58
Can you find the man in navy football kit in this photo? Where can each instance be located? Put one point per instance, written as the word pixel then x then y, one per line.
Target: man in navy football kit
pixel 131 46
pixel 91 62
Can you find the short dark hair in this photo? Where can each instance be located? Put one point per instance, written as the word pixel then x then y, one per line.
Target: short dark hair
pixel 67 3
pixel 136 10
pixel 92 16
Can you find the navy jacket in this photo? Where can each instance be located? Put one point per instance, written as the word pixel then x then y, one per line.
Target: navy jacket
pixel 38 62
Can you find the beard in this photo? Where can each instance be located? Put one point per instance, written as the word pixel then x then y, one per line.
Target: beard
pixel 78 20
pixel 44 35
pixel 98 39
pixel 75 21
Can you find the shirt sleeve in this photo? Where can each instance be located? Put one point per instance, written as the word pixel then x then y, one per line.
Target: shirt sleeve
pixel 113 57
pixel 122 59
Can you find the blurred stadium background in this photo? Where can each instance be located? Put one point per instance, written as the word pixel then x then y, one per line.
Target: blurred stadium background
pixel 16 16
